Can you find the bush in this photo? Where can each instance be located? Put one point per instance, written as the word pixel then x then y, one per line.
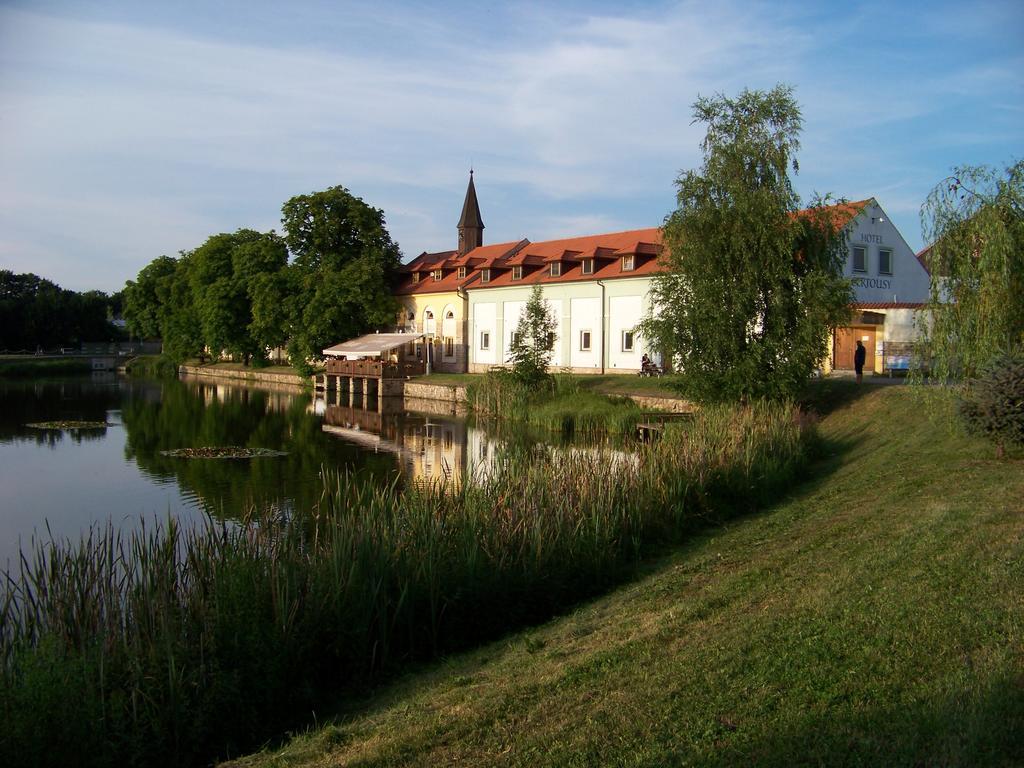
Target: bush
pixel 994 404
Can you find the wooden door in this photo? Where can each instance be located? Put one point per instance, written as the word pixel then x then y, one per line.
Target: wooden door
pixel 846 345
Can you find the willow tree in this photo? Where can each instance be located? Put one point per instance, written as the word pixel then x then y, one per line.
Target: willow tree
pixel 975 222
pixel 752 284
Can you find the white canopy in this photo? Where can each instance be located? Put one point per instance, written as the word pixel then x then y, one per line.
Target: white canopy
pixel 371 345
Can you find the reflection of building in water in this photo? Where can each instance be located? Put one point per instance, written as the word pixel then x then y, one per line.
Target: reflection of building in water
pixel 435 448
pixel 431 447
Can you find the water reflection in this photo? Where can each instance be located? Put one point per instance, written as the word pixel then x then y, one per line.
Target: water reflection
pixel 68 480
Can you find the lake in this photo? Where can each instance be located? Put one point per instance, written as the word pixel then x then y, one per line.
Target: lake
pixel 69 480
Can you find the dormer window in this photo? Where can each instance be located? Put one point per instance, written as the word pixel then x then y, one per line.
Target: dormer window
pixel 556 269
pixel 517 273
pixel 588 267
pixel 628 263
pixel 415 277
pixel 485 277
pixel 462 273
pixel 438 274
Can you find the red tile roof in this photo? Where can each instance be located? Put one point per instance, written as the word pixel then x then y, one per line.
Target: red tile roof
pixel 606 250
pixel 889 305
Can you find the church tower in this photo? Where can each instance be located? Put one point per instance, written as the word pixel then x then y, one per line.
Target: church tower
pixel 471 224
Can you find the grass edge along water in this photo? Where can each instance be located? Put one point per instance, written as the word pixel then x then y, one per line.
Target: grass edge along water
pixel 170 646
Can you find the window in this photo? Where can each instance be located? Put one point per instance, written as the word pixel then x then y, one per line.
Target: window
pixel 627 341
pixel 449 347
pixel 485 339
pixel 556 268
pixel 462 273
pixel 415 277
pixel 429 324
pixel 628 263
pixel 551 341
pixel 516 336
pixel 588 266
pixel 860 259
pixel 517 273
pixel 884 261
pixel 584 341
pixel 438 274
pixel 485 275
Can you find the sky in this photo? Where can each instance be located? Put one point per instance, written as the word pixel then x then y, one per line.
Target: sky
pixel 131 130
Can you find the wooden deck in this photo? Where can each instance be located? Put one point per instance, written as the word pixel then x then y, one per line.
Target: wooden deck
pixel 375 369
pixel 652 424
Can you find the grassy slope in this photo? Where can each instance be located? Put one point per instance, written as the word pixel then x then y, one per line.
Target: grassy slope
pixel 873 617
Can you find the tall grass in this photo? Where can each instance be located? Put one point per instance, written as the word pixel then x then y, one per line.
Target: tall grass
pixel 171 647
pixel 557 404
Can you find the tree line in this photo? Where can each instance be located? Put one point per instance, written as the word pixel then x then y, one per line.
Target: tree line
pixel 36 313
pixel 329 277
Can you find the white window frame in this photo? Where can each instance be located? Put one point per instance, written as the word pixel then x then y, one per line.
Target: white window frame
pixel 628 263
pixel 517 272
pixel 632 341
pixel 587 267
pixel 415 277
pixel 586 333
pixel 880 252
pixel 853 259
pixel 485 340
pixel 438 275
pixel 555 269
pixel 462 273
pixel 485 275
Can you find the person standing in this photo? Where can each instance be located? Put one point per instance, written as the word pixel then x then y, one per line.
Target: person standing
pixel 858 360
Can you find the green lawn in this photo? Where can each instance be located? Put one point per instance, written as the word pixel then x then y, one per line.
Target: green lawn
pixel 873 617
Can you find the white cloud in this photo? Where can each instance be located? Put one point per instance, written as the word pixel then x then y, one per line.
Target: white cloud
pixel 146 140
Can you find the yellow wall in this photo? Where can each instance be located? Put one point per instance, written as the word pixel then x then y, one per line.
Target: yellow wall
pixel 439 303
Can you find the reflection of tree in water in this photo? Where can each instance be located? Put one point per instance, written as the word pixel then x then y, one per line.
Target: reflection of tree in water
pixel 195 415
pixel 71 399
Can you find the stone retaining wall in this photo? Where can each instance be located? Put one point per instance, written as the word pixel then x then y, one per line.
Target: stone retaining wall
pixel 252 377
pixel 451 394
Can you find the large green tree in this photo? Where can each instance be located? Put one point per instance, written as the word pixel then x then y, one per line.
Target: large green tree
pixel 227 274
pixel 35 312
pixel 975 222
pixel 753 285
pixel 144 311
pixel 343 270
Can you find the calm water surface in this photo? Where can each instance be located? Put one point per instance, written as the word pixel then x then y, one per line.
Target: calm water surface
pixel 70 480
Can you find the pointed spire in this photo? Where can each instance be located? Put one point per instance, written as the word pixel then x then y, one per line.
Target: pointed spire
pixel 471 223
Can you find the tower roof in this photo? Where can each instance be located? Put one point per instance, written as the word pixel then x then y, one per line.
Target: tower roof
pixel 471 217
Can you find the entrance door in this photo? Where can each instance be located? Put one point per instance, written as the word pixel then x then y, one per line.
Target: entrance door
pixel 846 345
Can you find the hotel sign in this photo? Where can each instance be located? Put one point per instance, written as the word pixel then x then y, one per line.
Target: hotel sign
pixel 872 282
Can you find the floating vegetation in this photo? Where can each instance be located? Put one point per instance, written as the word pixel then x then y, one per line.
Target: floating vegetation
pixel 69 424
pixel 223 452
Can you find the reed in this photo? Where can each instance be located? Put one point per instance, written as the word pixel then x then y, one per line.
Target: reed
pixel 557 404
pixel 171 647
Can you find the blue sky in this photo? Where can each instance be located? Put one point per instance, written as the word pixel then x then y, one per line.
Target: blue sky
pixel 130 130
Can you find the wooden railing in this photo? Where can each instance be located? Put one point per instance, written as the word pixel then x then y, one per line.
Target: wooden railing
pixel 375 369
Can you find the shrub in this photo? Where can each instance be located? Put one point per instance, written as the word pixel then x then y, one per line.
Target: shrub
pixel 994 404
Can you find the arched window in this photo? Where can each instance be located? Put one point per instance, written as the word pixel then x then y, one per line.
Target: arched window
pixel 429 324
